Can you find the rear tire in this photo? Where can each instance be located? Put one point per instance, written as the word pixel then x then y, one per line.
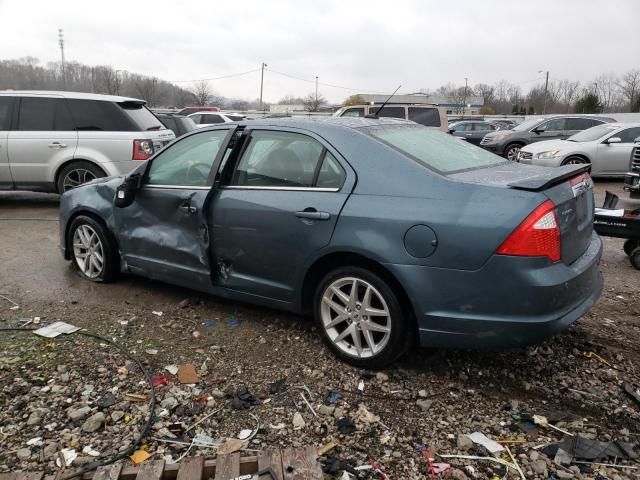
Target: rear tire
pixel 630 245
pixel 634 258
pixel 511 151
pixel 93 254
pixel 76 173
pixel 365 327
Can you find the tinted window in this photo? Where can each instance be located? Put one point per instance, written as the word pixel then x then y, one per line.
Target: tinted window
pixel 170 123
pixel 211 119
pixel 629 135
pixel 554 125
pixel 429 117
pixel 6 104
pixel 97 115
pixel 278 159
pixel 579 123
pixel 461 127
pixel 481 127
pixel 187 162
pixel 44 114
pixel 433 149
pixel 393 112
pixel 353 112
pixel 331 174
pixel 592 133
pixel 141 116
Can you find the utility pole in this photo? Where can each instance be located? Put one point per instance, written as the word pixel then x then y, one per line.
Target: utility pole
pixel 262 82
pixel 464 101
pixel 316 105
pixel 117 84
pixel 546 87
pixel 61 43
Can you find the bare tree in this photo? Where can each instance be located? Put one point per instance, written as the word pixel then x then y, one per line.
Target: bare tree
pixel 202 92
pixel 353 100
pixel 630 86
pixel 567 93
pixel 312 103
pixel 608 91
pixel 146 88
pixel 487 92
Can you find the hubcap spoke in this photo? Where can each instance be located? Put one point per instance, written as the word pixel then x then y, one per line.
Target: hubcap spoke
pixel 88 251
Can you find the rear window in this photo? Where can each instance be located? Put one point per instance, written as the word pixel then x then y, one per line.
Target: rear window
pixel 434 149
pixel 593 133
pixel 429 117
pixel 99 115
pixel 353 112
pixel 141 116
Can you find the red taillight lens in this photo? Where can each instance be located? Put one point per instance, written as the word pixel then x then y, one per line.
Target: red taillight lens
pixel 142 149
pixel 537 236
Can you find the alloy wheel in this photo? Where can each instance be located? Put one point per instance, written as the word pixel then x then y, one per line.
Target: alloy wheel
pixel 356 317
pixel 512 153
pixel 88 251
pixel 75 178
pixel 574 161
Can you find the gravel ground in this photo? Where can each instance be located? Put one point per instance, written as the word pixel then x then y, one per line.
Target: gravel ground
pixel 255 366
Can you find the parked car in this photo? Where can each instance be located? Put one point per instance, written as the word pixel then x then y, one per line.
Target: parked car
pixel 632 178
pixel 189 110
pixel 606 148
pixel 509 142
pixel 505 123
pixel 472 131
pixel 55 141
pixel 205 119
pixel 427 115
pixel 178 124
pixel 367 223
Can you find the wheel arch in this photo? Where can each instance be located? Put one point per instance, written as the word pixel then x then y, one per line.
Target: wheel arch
pixel 61 167
pixel 321 266
pixel 579 155
pixel 95 216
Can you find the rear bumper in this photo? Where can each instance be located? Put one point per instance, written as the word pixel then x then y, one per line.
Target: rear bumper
pixel 509 302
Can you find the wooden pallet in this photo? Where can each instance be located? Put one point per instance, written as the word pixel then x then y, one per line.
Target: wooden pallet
pixel 287 464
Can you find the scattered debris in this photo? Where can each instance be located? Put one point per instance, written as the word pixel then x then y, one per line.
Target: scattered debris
pixel 481 439
pixel 152 351
pixel 55 329
pixel 187 374
pixel 66 457
pixel 345 425
pixel 172 369
pixel 542 421
pixel 197 335
pixel 298 421
pixel 157 313
pixel 230 446
pixel 327 447
pixel 139 456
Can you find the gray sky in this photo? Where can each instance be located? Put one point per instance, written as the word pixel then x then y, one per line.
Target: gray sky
pixel 367 45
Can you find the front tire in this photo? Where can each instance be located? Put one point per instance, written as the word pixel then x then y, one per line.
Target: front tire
pixel 574 161
pixel 511 152
pixel 360 317
pixel 76 173
pixel 93 254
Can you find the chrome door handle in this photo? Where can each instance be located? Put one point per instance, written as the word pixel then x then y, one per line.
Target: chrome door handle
pixel 469 134
pixel 313 215
pixel 57 145
pixel 187 209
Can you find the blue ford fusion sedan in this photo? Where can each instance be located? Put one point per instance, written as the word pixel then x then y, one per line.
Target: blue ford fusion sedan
pixel 385 230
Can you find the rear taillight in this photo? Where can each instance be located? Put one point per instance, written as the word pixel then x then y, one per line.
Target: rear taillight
pixel 142 149
pixel 537 236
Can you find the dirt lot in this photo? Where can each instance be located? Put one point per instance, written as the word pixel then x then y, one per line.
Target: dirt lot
pixel 75 392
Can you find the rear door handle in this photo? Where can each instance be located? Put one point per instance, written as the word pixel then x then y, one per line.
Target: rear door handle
pixel 313 214
pixel 57 145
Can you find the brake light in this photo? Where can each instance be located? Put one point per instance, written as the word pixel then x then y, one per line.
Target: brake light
pixel 142 149
pixel 537 236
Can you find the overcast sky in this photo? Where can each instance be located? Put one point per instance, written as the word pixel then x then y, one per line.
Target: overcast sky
pixel 367 45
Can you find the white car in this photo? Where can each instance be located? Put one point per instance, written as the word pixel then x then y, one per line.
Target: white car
pixel 606 147
pixel 205 119
pixel 55 141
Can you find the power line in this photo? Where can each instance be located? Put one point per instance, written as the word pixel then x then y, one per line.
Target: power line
pixel 215 78
pixel 325 84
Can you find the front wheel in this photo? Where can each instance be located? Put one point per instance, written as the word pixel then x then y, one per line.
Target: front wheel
pixel 92 251
pixel 574 161
pixel 511 152
pixel 360 317
pixel 634 258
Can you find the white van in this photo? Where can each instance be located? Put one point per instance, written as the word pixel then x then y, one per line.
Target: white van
pixel 55 141
pixel 427 115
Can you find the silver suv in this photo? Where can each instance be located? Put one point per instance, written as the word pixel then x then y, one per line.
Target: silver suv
pixel 55 141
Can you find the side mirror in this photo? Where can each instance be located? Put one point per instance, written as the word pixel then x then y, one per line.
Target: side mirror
pixel 538 130
pixel 614 140
pixel 126 192
pixel 451 130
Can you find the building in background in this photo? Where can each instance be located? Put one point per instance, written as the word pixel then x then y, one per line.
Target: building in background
pixel 455 106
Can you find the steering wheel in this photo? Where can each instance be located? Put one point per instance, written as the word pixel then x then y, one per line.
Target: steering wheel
pixel 197 172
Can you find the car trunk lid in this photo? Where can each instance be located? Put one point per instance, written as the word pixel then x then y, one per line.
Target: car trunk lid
pixel 569 188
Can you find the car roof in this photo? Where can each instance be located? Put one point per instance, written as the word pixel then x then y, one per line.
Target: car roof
pixel 79 95
pixel 326 122
pixel 623 124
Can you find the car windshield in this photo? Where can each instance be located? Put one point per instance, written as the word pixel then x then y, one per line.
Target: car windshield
pixel 527 124
pixel 591 134
pixel 433 149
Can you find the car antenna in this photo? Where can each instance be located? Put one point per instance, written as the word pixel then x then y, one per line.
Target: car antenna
pixel 375 115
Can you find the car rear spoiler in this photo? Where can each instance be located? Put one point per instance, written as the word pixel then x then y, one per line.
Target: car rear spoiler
pixel 555 176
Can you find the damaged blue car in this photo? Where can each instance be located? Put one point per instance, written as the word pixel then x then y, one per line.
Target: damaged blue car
pixel 386 231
